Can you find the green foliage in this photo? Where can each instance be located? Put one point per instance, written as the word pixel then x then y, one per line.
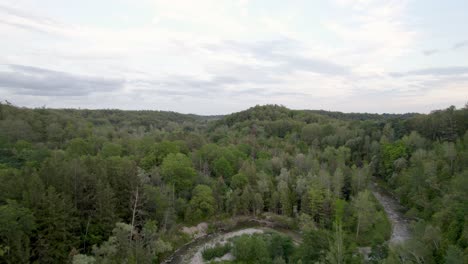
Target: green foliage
pixel 454 255
pixel 336 251
pixel 216 252
pixel 126 244
pixel 317 202
pixel 372 226
pixel 78 147
pixel 111 149
pixel 68 176
pixel 202 204
pixel 239 181
pixel 250 249
pixel 177 169
pixel 156 156
pixel 339 210
pixel 316 240
pixel 56 225
pixel 280 247
pixel 158 201
pixel 222 168
pixel 390 153
pixel 83 259
pixel 270 247
pixel 16 226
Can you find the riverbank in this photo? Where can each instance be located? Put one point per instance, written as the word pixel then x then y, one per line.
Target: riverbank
pixel 395 212
pixel 232 226
pixel 221 229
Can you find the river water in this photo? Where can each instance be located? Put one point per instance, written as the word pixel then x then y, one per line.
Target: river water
pixel 394 210
pixel 191 252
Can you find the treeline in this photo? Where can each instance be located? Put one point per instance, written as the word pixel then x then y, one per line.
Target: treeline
pixel 104 186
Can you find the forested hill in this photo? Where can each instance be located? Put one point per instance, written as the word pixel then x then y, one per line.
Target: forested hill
pixel 113 186
pixel 277 112
pixel 279 120
pixel 362 116
pixel 274 112
pixel 41 123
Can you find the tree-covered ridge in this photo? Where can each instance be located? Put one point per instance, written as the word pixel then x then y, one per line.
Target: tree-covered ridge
pixel 41 124
pixel 104 186
pixel 361 116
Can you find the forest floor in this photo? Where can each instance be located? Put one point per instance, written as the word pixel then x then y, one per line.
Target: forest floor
pixel 395 213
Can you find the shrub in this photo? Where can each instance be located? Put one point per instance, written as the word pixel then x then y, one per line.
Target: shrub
pixel 216 252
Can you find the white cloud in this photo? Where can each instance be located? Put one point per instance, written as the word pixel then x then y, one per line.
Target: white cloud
pixel 16 18
pixel 228 55
pixel 212 17
pixel 375 32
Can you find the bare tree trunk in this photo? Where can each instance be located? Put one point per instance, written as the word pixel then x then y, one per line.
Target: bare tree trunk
pixel 167 212
pixel 359 180
pixel 165 219
pixel 358 225
pixel 134 213
pixel 86 233
pixel 451 166
pixel 75 186
pixel 200 165
pixel 173 195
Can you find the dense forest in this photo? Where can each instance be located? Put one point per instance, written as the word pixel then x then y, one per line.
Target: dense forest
pixel 112 186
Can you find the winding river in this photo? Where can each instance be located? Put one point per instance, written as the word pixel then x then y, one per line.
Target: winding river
pixel 190 253
pixel 394 210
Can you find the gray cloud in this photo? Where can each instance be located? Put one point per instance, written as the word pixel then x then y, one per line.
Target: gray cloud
pixel 264 92
pixel 185 85
pixel 430 52
pixel 29 80
pixel 237 79
pixel 313 65
pixel 456 46
pixel 441 71
pixel 460 45
pixel 281 52
pixel 234 85
pixel 17 18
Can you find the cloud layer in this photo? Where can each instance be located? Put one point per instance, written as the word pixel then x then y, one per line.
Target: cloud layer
pixel 213 57
pixel 28 80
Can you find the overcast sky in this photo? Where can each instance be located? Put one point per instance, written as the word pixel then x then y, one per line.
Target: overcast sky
pixel 217 57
